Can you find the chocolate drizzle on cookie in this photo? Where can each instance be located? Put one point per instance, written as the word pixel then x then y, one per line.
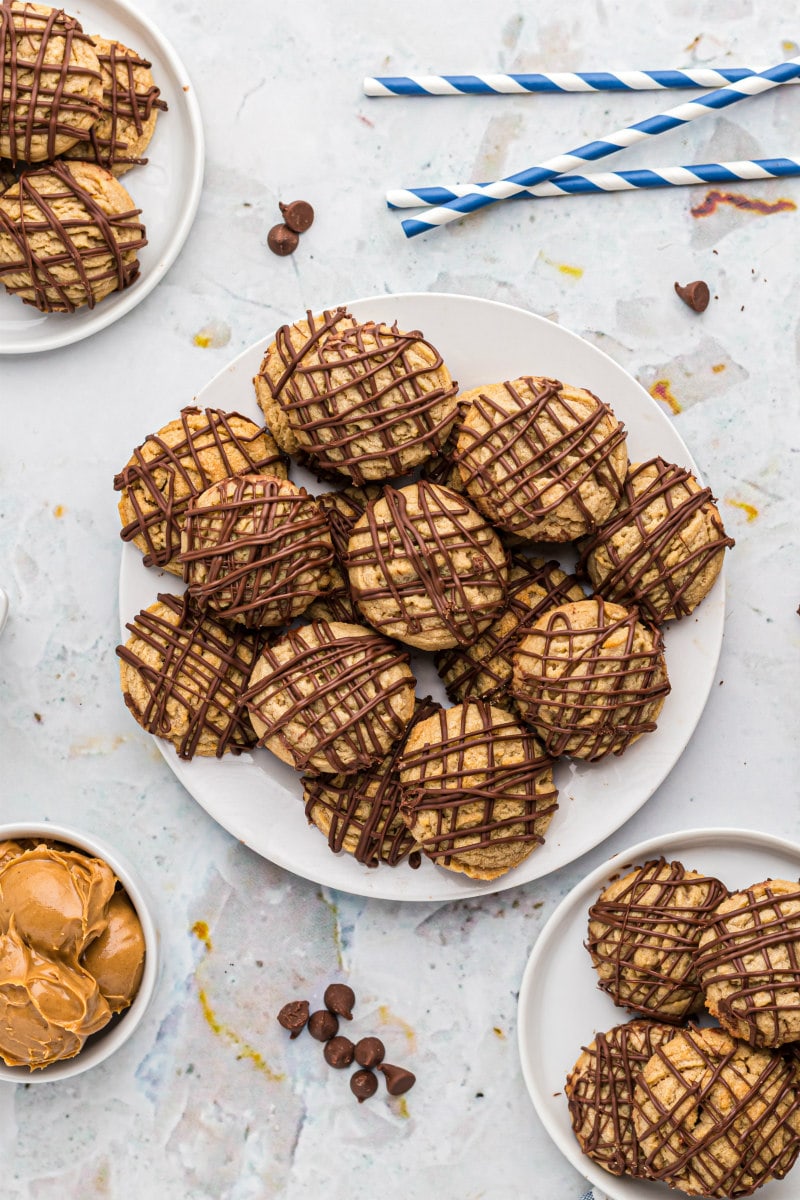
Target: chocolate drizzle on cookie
pixel 743 950
pixel 589 691
pixel 127 107
pixel 150 482
pixel 658 560
pixel 350 716
pixel 456 564
pixel 600 1094
pixel 258 551
pixel 37 96
pixel 201 666
pixel 366 806
pixel 538 452
pixel 90 246
pixel 497 766
pixel 331 389
pixel 643 938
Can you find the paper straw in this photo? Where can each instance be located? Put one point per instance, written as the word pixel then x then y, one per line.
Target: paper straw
pixel 562 164
pixel 558 81
pixel 612 181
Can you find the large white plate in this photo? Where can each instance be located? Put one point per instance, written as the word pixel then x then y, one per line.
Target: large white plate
pixel 561 1007
pixel 257 798
pixel 167 189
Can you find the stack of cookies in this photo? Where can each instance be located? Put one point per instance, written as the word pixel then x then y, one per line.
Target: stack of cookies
pixel 430 542
pixel 710 1111
pixel 75 113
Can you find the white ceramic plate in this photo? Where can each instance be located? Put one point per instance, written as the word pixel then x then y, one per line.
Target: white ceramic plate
pixel 258 798
pixel 561 1007
pixel 167 189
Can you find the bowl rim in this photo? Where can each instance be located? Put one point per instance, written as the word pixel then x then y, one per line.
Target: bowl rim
pixel 95 1051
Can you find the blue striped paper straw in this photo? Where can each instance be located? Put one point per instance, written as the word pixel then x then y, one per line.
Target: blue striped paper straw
pixel 562 164
pixel 612 181
pixel 558 81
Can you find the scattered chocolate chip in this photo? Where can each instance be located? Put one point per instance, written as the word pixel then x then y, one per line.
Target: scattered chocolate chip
pixel 695 294
pixel 299 215
pixel 294 1017
pixel 398 1079
pixel 369 1052
pixel 363 1084
pixel 339 1052
pixel 282 240
pixel 323 1025
pixel 340 998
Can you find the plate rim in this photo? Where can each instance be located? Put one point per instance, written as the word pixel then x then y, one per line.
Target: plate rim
pixel 467 888
pixel 579 894
pixel 143 287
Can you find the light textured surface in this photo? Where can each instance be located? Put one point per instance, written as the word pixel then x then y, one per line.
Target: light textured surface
pixel 189 1108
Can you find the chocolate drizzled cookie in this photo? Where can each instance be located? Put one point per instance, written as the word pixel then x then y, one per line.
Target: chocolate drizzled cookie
pixel 361 813
pixel 590 677
pixel 257 549
pixel 69 236
pixel 599 1091
pixel 330 697
pixel 540 458
pixel 183 676
pixel 426 568
pixel 364 399
pixel 663 548
pixel 478 791
pixel 50 83
pixel 175 465
pixel 644 931
pixel 714 1117
pixel 748 962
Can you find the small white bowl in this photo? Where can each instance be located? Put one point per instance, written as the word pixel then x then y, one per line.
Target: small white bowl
pixel 102 1044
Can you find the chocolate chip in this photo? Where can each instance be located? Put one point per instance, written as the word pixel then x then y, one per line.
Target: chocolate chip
pixel 340 998
pixel 294 1017
pixel 339 1052
pixel 299 215
pixel 363 1084
pixel 398 1079
pixel 282 240
pixel 695 294
pixel 369 1052
pixel 323 1025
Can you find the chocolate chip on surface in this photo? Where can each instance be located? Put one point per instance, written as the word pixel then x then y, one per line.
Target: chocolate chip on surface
pixel 398 1079
pixel 294 1017
pixel 695 294
pixel 299 215
pixel 323 1025
pixel 369 1052
pixel 282 240
pixel 363 1084
pixel 340 998
pixel 339 1052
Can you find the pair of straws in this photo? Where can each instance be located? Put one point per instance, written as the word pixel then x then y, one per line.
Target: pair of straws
pixel 552 177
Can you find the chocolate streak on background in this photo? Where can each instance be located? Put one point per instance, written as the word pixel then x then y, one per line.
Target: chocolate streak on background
pixel 664 930
pixel 660 550
pixel 739 956
pixel 186 676
pixel 445 784
pixel 124 103
pixel 402 537
pixel 46 106
pixel 348 695
pixel 578 693
pixel 578 456
pixel 45 191
pixel 382 835
pixel 182 462
pixel 332 420
pixel 263 543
